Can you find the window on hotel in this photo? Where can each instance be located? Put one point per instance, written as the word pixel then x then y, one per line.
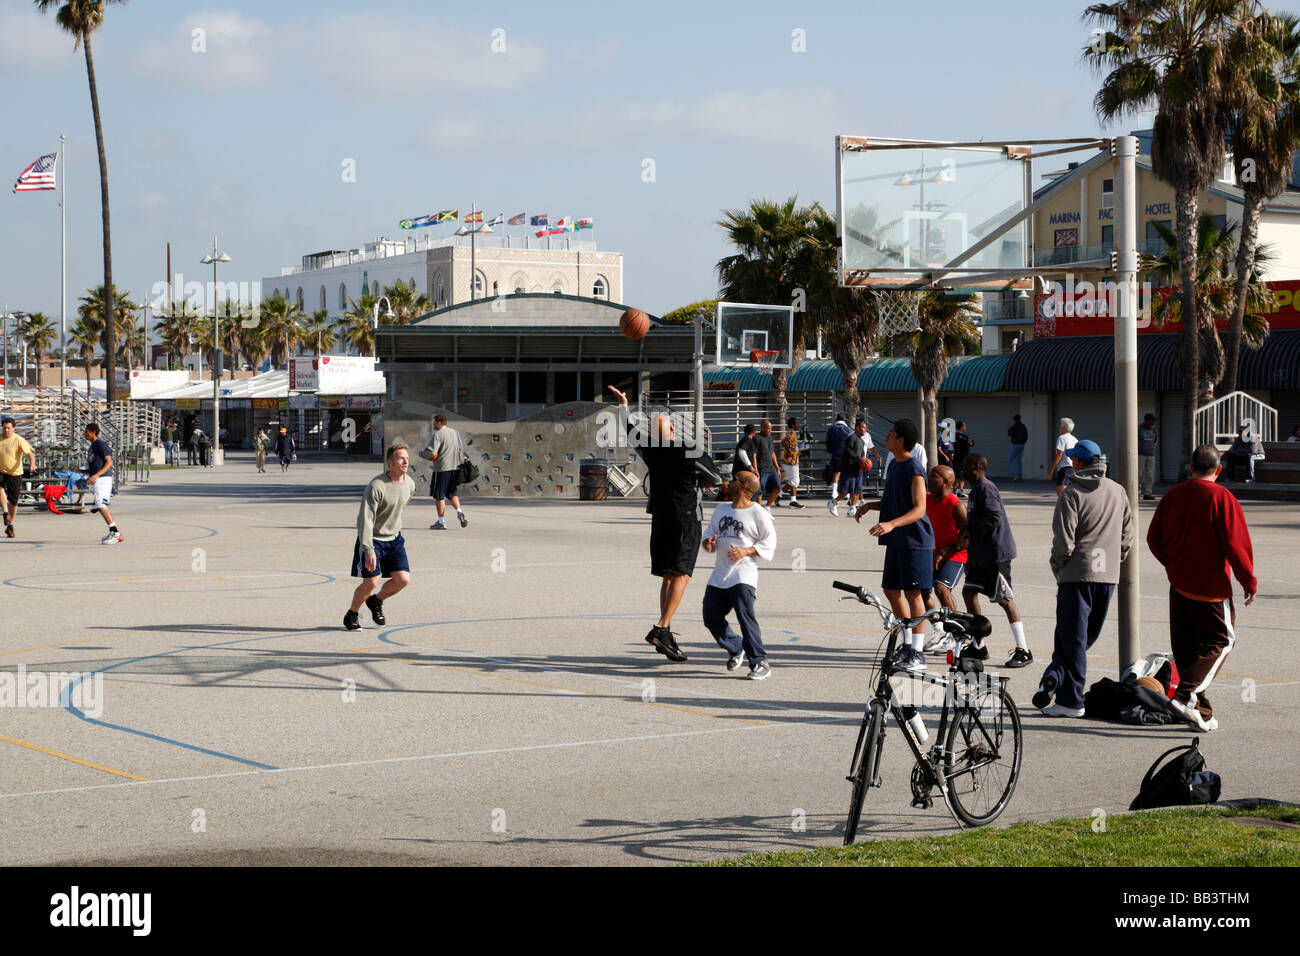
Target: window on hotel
pixel 1107 194
pixel 1107 239
pixel 598 288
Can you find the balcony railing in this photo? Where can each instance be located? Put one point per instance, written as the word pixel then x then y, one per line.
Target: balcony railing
pixel 1064 255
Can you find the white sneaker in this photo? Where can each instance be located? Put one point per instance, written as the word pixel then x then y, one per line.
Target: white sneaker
pixel 915 663
pixel 832 507
pixel 1057 710
pixel 940 642
pixel 113 537
pixel 1193 717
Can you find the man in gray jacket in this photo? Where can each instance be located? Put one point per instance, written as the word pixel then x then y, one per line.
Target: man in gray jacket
pixel 445 453
pixel 1092 531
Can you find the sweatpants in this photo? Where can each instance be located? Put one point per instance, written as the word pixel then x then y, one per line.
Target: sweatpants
pixel 1080 612
pixel 1201 635
pixel 739 598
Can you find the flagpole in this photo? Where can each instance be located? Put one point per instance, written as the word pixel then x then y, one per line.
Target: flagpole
pixel 63 270
pixel 473 269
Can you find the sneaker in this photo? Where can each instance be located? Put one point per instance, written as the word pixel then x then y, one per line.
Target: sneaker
pixel 901 657
pixel 113 537
pixel 665 643
pixel 438 525
pixel 940 642
pixel 351 621
pixel 9 530
pixel 795 504
pixel 1046 691
pixel 915 663
pixel 735 660
pixel 1193 717
pixel 760 671
pixel 1020 658
pixel 1058 710
pixel 376 609
pixel 1148 497
pixel 463 520
pixel 832 507
pixel 978 651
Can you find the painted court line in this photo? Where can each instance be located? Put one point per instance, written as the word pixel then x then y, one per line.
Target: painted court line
pixel 76 760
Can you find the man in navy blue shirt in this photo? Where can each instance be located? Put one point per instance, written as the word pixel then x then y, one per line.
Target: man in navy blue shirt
pixel 99 478
pixel 904 529
pixel 989 553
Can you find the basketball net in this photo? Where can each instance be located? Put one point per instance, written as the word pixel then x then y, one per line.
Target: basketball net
pixel 899 312
pixel 764 360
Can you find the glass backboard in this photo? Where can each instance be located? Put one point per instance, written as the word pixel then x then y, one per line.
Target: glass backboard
pixel 748 334
pixel 906 209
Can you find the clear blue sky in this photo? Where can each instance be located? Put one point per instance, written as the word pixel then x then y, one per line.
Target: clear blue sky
pixel 248 139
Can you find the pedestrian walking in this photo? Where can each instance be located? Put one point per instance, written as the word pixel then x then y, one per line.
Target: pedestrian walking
pixel 196 436
pixel 1199 534
pixel 769 470
pixel 739 532
pixel 380 548
pixel 1019 436
pixel 260 445
pixel 445 453
pixel 790 460
pixel 285 447
pixel 745 457
pixel 1148 438
pixel 990 549
pixel 836 437
pixel 947 516
pixel 99 478
pixel 170 455
pixel 1092 532
pixel 904 530
pixel 962 443
pixel 13 448
pixel 675 508
pixel 1061 469
pixel 853 467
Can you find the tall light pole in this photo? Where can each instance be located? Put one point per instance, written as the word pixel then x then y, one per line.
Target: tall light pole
pixel 374 323
pixel 214 257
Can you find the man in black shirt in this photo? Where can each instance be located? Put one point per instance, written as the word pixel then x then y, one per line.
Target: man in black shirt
pixel 675 516
pixel 746 455
pixel 99 478
pixel 769 472
pixel 1019 436
pixel 962 443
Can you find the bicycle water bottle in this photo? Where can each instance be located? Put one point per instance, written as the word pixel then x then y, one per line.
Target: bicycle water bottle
pixel 914 721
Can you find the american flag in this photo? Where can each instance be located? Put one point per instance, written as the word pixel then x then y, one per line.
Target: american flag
pixel 516 220
pixel 39 175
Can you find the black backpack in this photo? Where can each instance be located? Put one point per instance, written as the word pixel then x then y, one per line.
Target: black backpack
pixel 1182 782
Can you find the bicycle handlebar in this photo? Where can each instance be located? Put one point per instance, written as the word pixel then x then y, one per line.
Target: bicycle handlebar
pixel 938 614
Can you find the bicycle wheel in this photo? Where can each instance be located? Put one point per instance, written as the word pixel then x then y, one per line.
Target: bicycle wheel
pixel 982 762
pixel 864 774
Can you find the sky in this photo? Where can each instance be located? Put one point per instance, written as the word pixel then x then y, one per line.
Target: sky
pixel 242 119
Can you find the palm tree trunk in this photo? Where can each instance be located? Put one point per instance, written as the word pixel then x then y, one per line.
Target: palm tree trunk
pixel 1252 206
pixel 110 337
pixel 1188 347
pixel 929 434
pixel 852 400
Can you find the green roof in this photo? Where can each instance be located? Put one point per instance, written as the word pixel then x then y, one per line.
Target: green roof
pixel 980 373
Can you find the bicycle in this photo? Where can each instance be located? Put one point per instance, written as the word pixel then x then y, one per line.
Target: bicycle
pixel 977 767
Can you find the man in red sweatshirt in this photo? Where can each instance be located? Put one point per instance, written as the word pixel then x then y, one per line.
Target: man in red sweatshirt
pixel 1199 534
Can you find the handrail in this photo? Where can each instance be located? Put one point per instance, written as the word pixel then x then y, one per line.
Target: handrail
pixel 1219 422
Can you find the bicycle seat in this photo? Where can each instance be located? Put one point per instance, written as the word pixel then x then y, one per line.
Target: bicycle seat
pixel 976 626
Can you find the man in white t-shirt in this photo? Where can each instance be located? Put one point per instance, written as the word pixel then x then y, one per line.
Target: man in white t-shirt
pixel 1062 468
pixel 739 532
pixel 918 453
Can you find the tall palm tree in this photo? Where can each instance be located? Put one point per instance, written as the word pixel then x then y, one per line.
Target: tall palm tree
pixel 1264 107
pixel 1171 54
pixel 81 18
pixel 766 268
pixel 354 328
pixel 1214 292
pixel 84 336
pixel 946 327
pixel 407 302
pixel 319 329
pixel 278 327
pixel 233 331
pixel 40 334
pixel 175 329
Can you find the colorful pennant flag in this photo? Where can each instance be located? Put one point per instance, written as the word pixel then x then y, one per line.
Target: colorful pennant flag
pixel 39 175
pixel 564 224
pixel 418 222
pixel 473 217
pixel 448 215
pixel 585 224
pixel 539 220
pixel 549 232
pixel 518 220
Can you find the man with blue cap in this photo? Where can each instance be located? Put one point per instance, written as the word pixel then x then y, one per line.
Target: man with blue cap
pixel 1092 532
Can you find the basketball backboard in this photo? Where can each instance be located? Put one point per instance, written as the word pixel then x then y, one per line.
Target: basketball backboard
pixel 914 214
pixel 748 334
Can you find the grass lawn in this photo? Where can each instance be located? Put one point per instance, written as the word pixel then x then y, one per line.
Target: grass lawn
pixel 1175 837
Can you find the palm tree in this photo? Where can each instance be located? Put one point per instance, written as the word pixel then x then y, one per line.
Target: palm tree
pixel 320 329
pixel 946 328
pixel 278 327
pixel 85 335
pixel 355 329
pixel 1265 124
pixel 1214 292
pixel 770 240
pixel 81 18
pixel 175 329
pixel 233 332
pixel 1171 54
pixel 407 303
pixel 40 334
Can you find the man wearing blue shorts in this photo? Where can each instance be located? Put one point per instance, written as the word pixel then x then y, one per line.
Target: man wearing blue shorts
pixel 380 547
pixel 905 531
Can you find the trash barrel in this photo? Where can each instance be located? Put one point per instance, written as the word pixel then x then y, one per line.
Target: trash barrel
pixel 592 476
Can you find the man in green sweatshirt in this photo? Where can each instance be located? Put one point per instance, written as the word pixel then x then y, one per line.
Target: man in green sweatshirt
pixel 380 547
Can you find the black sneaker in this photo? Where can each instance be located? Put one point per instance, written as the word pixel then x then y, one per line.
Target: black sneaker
pixel 665 643
pixel 977 651
pixel 376 609
pixel 795 504
pixel 1020 658
pixel 9 529
pixel 464 522
pixel 1046 690
pixel 351 621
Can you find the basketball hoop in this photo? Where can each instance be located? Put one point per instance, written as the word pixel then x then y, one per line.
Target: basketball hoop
pixel 764 359
pixel 899 312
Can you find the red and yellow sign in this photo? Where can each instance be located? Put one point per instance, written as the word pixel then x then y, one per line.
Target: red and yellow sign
pixel 1087 309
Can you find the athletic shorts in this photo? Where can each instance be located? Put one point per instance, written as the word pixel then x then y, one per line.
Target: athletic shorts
pixel 445 484
pixel 102 491
pixel 674 543
pixel 1063 475
pixel 950 574
pixel 770 483
pixel 908 569
pixel 390 556
pixel 12 486
pixel 991 580
pixel 850 482
pixel 790 474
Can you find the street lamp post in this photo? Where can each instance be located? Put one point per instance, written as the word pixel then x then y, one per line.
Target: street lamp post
pixel 214 257
pixel 374 323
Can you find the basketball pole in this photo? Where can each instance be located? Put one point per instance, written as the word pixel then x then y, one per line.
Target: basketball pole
pixel 699 377
pixel 1124 148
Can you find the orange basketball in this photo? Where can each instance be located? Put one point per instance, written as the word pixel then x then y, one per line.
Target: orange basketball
pixel 634 323
pixel 1151 684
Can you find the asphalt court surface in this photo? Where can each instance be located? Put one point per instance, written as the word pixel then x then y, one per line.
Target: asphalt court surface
pixel 510 712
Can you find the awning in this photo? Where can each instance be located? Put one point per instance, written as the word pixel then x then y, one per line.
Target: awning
pixel 1086 363
pixel 978 373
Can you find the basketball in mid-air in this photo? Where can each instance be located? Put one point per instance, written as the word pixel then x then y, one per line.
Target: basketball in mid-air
pixel 634 323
